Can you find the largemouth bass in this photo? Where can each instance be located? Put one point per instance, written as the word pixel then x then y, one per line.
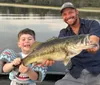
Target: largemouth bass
pixel 58 49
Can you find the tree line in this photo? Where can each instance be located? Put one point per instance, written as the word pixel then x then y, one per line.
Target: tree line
pixel 78 3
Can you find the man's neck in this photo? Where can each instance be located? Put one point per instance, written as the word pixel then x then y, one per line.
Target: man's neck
pixel 76 27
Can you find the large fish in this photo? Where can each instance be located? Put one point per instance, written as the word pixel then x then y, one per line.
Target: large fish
pixel 58 49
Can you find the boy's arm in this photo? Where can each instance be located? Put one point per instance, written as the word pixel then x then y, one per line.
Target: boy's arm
pixel 9 66
pixel 6 57
pixel 1 66
pixel 41 71
pixel 33 75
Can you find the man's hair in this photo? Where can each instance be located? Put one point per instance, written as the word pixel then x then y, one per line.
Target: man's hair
pixel 26 31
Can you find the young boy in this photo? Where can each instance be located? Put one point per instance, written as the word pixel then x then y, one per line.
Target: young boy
pixel 23 75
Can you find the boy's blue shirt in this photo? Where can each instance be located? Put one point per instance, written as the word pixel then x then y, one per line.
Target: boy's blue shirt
pixel 9 55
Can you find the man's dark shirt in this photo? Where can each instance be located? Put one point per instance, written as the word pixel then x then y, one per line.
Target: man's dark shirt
pixel 84 60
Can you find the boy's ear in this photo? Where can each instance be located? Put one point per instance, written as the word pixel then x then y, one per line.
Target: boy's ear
pixel 18 44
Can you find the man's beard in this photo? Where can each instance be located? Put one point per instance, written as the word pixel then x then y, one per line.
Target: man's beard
pixel 74 22
pixel 76 19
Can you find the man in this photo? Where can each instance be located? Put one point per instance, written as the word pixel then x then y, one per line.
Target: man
pixel 85 67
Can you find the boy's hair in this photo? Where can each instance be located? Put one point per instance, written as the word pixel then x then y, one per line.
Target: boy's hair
pixel 26 31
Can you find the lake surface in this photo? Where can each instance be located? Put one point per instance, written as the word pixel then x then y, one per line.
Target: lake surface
pixel 44 22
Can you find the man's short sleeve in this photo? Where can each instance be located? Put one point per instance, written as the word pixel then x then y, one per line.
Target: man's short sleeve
pixel 95 28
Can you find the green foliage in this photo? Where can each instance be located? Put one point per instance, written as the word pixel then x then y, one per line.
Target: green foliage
pixel 86 3
pixel 78 3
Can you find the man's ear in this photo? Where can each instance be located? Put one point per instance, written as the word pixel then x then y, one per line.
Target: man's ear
pixel 77 12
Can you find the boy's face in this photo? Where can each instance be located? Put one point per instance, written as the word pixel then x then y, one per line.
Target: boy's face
pixel 25 42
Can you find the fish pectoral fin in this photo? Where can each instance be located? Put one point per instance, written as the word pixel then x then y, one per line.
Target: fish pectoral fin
pixel 66 60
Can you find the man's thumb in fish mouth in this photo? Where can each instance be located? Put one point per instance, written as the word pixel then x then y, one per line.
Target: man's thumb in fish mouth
pixel 94 49
pixel 96 45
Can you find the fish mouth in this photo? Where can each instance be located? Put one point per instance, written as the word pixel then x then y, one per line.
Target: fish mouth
pixel 94 45
pixel 87 43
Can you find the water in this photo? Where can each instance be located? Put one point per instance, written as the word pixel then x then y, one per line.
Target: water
pixel 12 22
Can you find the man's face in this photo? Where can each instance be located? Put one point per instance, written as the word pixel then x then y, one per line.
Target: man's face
pixel 70 16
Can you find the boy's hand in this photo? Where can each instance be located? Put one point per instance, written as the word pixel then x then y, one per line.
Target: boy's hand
pixel 23 69
pixel 16 61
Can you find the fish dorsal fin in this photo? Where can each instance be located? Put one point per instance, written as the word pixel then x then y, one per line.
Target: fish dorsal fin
pixel 53 38
pixel 35 45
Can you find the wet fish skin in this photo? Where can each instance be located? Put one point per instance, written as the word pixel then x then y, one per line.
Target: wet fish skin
pixel 58 49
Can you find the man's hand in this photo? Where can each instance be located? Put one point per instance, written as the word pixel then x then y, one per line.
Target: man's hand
pixel 94 49
pixel 94 39
pixel 46 63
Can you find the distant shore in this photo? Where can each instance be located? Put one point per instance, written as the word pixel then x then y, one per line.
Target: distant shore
pixel 85 9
